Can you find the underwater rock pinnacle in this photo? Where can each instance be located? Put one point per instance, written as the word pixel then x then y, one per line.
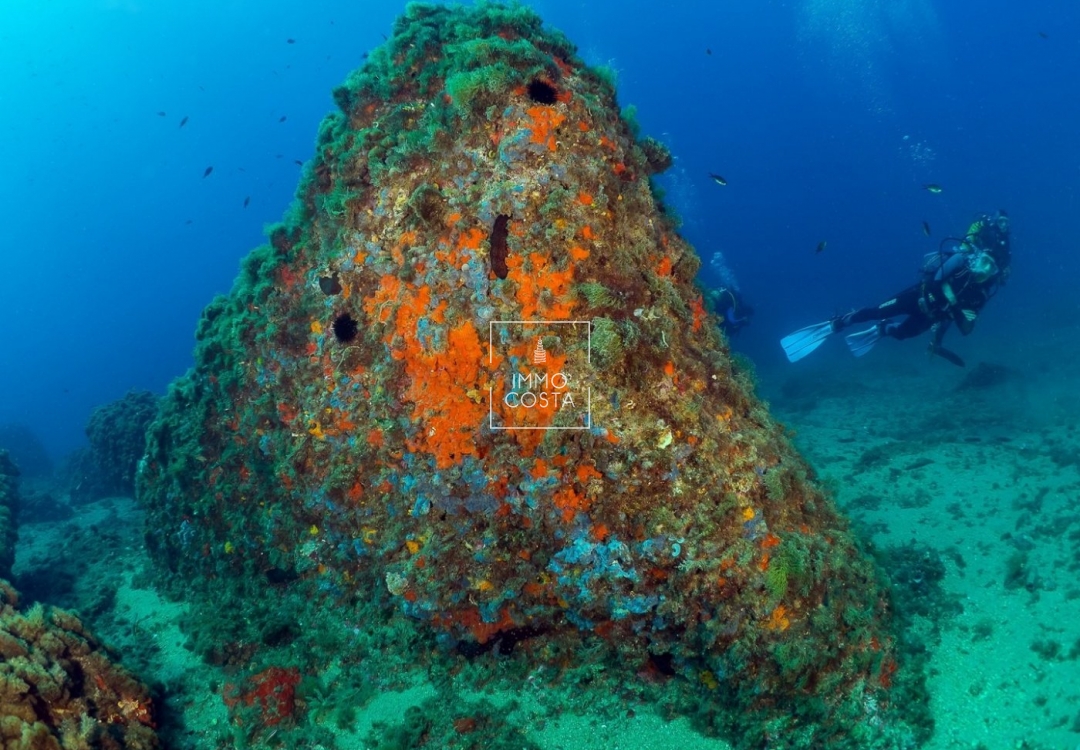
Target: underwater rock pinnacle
pixel 470 379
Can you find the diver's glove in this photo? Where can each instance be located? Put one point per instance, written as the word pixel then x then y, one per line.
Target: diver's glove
pixel 950 295
pixel 965 320
pixel 840 322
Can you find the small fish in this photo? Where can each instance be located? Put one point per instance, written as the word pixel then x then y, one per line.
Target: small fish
pixel 189 221
pixel 161 114
pixel 283 118
pixel 717 179
pixel 821 246
pixel 1043 35
pixel 926 229
pixel 298 163
pixel 247 200
pixel 290 41
pixel 183 121
pixel 933 187
pixel 207 172
pixel 708 51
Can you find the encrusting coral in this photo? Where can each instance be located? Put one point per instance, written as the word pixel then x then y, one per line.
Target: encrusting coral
pixel 398 405
pixel 58 686
pixel 59 689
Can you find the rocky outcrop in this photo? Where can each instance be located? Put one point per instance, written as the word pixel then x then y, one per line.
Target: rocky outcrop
pixel 470 379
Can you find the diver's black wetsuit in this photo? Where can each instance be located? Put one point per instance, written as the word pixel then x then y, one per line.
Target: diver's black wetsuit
pixel 955 285
pixel 905 303
pixel 933 304
pixel 950 291
pixel 926 304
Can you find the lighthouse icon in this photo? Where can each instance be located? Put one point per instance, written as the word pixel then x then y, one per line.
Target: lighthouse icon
pixel 539 354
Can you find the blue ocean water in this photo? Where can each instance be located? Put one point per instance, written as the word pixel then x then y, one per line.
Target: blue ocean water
pixel 826 118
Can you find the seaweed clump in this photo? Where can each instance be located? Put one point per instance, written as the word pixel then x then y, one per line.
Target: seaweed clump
pixel 657 155
pixel 436 724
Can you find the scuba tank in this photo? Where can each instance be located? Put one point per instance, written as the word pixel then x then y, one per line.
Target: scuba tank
pixel 943 262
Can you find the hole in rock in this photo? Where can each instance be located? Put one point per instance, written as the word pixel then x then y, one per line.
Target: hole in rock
pixel 542 92
pixel 330 285
pixel 345 328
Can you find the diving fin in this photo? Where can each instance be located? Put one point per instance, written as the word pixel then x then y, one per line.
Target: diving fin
pixel 805 340
pixel 863 341
pixel 947 355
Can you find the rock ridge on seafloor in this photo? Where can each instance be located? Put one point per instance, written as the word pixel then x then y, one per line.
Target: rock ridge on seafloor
pixel 470 380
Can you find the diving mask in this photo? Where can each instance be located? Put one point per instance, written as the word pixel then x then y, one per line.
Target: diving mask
pixel 1001 219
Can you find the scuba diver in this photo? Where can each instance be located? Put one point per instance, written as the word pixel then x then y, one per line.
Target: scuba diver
pixel 731 308
pixel 955 284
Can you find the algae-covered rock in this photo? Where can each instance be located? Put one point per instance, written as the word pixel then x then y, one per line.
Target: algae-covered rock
pixel 117 434
pixel 9 508
pixel 470 379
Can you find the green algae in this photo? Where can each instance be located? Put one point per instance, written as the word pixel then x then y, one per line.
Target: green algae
pixel 453 724
pixel 607 342
pixel 596 294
